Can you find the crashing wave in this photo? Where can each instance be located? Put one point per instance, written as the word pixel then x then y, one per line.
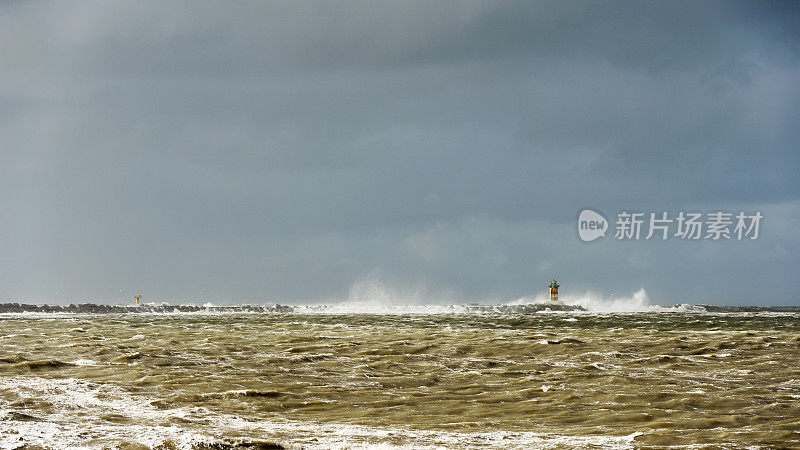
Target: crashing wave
pixel 332 308
pixel 587 304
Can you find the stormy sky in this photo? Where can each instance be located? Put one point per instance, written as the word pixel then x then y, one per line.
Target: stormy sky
pixel 285 152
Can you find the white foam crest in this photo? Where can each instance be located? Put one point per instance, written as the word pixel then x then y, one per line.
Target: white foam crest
pixel 526 300
pixel 78 403
pixel 373 296
pixel 346 436
pixel 78 423
pixel 368 307
pixel 596 303
pixel 638 301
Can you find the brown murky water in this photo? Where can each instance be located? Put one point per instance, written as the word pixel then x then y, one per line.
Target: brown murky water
pixel 577 380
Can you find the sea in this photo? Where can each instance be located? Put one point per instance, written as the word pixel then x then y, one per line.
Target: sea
pixel 401 376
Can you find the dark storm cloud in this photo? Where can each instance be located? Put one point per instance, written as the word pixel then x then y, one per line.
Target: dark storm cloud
pixel 280 151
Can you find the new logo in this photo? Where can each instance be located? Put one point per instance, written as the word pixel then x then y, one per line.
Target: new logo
pixel 591 225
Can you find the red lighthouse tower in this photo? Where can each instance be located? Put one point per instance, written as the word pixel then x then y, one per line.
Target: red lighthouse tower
pixel 554 291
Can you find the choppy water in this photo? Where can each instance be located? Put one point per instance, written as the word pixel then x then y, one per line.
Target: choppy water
pixel 538 380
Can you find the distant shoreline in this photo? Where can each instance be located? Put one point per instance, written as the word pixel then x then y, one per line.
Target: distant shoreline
pixel 91 308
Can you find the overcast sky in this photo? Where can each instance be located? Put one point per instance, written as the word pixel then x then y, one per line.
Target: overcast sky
pixel 285 152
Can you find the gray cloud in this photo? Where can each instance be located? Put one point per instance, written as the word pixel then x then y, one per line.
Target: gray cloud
pixel 280 151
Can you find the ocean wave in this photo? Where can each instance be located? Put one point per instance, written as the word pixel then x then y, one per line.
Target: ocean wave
pixel 120 419
pixel 324 308
pixel 589 303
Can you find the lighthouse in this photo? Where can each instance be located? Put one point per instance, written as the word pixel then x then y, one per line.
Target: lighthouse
pixel 553 291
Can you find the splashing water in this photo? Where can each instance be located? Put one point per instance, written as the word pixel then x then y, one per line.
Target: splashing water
pixel 374 296
pixel 637 302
